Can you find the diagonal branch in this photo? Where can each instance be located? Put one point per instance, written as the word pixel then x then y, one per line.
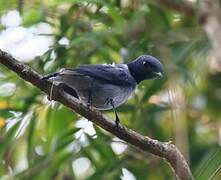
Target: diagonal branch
pixel 165 150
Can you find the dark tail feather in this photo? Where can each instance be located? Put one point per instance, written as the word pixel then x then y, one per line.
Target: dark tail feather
pixel 50 76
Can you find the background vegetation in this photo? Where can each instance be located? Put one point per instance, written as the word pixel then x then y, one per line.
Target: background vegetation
pixel 44 140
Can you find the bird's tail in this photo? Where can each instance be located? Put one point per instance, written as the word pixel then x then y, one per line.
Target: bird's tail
pixel 49 76
pixel 57 77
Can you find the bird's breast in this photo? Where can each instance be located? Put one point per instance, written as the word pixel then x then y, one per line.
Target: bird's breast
pixel 118 94
pixel 102 93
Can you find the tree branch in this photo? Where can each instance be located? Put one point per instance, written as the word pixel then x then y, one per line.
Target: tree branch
pixel 165 150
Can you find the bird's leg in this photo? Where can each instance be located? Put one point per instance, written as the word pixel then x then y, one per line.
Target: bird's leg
pixel 89 102
pixel 117 120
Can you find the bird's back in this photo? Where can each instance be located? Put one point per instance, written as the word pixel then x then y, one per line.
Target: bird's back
pixel 104 82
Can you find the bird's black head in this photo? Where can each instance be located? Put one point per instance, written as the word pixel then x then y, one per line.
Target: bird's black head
pixel 145 67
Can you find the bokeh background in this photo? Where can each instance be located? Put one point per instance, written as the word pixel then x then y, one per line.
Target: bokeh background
pixel 40 139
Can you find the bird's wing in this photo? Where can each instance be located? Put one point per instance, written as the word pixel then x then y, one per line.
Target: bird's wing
pixel 113 74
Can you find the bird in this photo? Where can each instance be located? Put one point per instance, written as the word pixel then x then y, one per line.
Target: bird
pixel 107 86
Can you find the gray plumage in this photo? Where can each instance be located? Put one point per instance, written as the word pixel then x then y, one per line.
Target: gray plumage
pixel 104 82
pixel 107 86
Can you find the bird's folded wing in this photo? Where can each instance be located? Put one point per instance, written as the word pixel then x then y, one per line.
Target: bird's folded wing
pixel 118 74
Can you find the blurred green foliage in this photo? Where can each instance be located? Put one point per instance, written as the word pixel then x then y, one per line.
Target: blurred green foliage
pixel 41 140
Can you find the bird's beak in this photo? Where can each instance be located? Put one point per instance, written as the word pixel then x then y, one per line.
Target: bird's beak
pixel 159 75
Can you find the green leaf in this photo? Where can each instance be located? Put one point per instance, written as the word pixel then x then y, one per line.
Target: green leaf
pixel 210 165
pixel 30 139
pixel 8 139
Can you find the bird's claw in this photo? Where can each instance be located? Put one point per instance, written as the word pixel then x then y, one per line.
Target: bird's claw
pixel 89 103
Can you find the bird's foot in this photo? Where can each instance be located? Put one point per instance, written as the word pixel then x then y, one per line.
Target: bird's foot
pixel 89 102
pixel 89 105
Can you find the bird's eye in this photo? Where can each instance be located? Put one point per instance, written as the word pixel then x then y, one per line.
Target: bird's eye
pixel 145 63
